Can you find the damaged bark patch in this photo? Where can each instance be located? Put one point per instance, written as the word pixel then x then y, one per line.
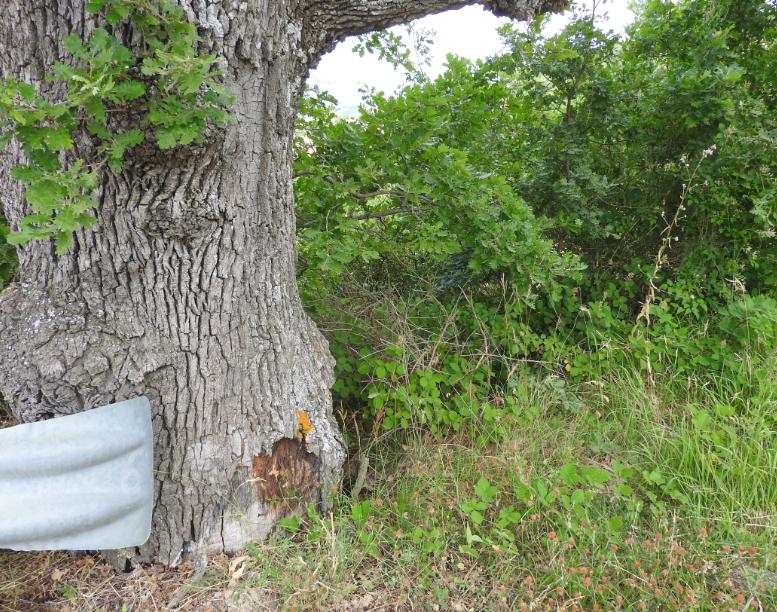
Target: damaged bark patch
pixel 288 478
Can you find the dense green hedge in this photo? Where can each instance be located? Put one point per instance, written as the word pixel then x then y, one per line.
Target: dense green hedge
pixel 581 201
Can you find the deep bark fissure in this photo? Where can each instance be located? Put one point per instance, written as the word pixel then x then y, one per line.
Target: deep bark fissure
pixel 185 290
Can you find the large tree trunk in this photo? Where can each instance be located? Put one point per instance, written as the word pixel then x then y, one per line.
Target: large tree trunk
pixel 185 289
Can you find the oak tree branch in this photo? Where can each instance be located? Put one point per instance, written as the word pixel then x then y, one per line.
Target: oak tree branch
pixel 334 20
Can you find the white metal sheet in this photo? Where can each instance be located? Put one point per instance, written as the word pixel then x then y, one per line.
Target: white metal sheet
pixel 78 482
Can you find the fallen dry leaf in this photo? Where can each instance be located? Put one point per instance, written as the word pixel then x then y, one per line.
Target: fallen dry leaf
pixel 237 568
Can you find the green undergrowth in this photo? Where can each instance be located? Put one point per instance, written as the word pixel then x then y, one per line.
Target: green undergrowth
pixel 631 497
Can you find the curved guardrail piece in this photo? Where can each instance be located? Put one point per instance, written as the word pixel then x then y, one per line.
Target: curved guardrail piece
pixel 78 482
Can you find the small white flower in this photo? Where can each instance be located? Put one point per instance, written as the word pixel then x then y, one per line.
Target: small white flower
pixel 737 285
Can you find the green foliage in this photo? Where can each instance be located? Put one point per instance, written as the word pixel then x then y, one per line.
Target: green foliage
pixel 591 507
pixel 388 46
pixel 580 202
pixel 67 141
pixel 391 47
pixel 602 211
pixel 8 260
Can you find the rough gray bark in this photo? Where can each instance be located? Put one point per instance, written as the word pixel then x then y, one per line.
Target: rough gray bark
pixel 337 19
pixel 185 289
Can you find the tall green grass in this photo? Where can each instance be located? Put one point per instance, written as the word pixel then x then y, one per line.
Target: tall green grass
pixel 669 515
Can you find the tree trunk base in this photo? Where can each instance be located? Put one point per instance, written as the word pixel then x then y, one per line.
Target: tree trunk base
pixel 240 441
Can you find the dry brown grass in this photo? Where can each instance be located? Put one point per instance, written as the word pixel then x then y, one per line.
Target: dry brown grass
pixel 59 582
pixel 48 582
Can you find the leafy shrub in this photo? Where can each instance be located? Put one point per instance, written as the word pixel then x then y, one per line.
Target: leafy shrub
pixel 579 202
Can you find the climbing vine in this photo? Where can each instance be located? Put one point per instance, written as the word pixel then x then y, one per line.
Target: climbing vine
pixel 175 91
